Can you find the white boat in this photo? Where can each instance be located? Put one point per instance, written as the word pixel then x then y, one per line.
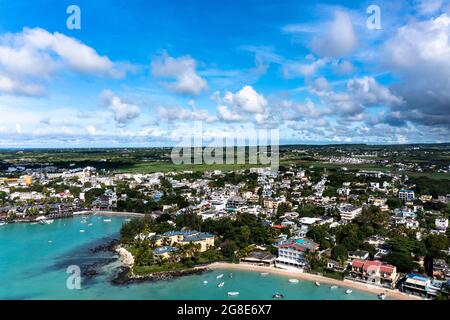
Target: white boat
pixel 233 293
pixel 205 282
pixel 90 225
pixel 82 231
pixel 334 287
pixel 349 291
pixel 264 274
pixel 219 276
pixel 3 224
pixel 107 220
pixel 293 280
pixel 318 283
pixel 220 285
pixel 83 221
pixel 45 221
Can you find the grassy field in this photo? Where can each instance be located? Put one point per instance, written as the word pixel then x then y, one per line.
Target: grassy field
pixel 150 167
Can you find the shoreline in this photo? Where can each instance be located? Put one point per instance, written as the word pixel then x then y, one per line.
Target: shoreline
pixel 391 293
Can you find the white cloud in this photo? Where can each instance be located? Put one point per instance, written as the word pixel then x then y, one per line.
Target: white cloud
pixel 247 100
pixel 36 54
pixel 182 114
pixel 226 114
pixel 303 69
pixel 123 112
pixel 339 38
pixel 419 53
pixel 182 70
pixel 428 6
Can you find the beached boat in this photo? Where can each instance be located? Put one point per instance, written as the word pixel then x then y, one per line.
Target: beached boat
pixel 277 296
pixel 293 280
pixel 264 274
pixel 220 285
pixel 382 296
pixel 349 291
pixel 318 283
pixel 334 287
pixel 233 293
pixel 219 276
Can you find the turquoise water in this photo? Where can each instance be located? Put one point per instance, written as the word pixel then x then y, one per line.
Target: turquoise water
pixel 34 259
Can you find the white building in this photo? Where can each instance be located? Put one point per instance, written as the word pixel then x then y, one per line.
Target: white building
pixel 406 195
pixel 349 212
pixel 441 224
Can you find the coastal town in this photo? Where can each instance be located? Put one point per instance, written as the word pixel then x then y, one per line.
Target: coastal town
pixel 372 227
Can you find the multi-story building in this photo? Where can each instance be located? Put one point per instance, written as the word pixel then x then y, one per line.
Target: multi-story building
pixel 291 254
pixel 170 238
pixel 349 212
pixel 374 272
pixel 406 195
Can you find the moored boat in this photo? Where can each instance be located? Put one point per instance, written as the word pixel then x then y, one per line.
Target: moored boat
pixel 205 282
pixel 382 296
pixel 277 296
pixel 107 220
pixel 3 224
pixel 219 276
pixel 233 293
pixel 318 283
pixel 349 291
pixel 334 287
pixel 220 285
pixel 293 280
pixel 264 274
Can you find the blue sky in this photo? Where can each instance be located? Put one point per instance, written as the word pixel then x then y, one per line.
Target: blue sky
pixel 143 73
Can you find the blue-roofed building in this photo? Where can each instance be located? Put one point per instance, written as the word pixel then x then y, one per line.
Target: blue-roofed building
pixel 205 240
pixel 421 285
pixel 164 251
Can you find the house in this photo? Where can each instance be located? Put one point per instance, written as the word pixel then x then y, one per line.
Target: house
pixel 170 238
pixel 420 285
pixel 441 224
pixel 335 266
pixel 259 258
pixel 374 272
pixel 164 251
pixel 441 270
pixel 349 212
pixel 406 195
pixel 358 254
pixel 291 253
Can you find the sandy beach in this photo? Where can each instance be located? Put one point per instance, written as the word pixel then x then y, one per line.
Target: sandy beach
pixel 391 294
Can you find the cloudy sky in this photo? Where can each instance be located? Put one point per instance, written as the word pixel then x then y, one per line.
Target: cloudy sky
pixel 142 73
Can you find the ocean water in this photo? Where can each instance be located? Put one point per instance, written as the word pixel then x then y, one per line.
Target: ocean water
pixel 34 260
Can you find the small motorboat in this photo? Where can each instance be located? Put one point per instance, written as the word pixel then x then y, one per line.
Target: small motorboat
pixel 107 220
pixel 219 276
pixel 205 282
pixel 233 293
pixel 382 296
pixel 264 274
pixel 277 296
pixel 349 291
pixel 293 281
pixel 82 231
pixel 318 283
pixel 220 285
pixel 334 287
